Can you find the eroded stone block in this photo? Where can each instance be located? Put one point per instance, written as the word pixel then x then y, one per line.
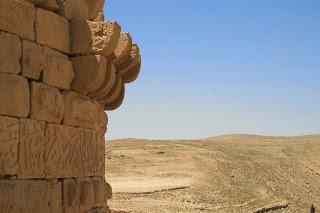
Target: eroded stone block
pixel 31 149
pixel 33 60
pixel 74 9
pixel 46 103
pixel 86 194
pixel 71 196
pixel 9 140
pixel 94 37
pixel 71 152
pixel 52 30
pixel 94 7
pixel 58 72
pixel 90 72
pixel 28 196
pixel 51 5
pixel 131 61
pixel 101 155
pixel 17 17
pixel 14 95
pixel 100 191
pixel 81 111
pixel 10 53
pixel 123 48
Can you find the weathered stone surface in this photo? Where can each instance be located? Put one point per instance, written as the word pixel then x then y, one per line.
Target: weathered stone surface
pixel 14 95
pixel 33 60
pixel 100 191
pixel 46 103
pixel 123 48
pixel 74 10
pixel 101 155
pixel 52 30
pixel 51 5
pixel 29 196
pixel 31 149
pixel 108 82
pixel 36 2
pixel 81 111
pixel 132 74
pixel 71 152
pixel 131 61
pixel 90 72
pixel 94 6
pixel 10 53
pixel 9 140
pixel 71 196
pixel 103 120
pixel 115 101
pixel 58 73
pixel 86 194
pixel 94 37
pixel 114 92
pixel 17 17
pixel 100 17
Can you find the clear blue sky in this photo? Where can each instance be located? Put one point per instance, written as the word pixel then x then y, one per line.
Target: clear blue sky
pixel 213 67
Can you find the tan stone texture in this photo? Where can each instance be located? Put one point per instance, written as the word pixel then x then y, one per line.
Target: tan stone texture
pixel 94 6
pixel 52 30
pixel 123 48
pixel 86 194
pixel 103 120
pixel 100 191
pixel 58 73
pixel 14 95
pixel 131 61
pixel 17 17
pixel 71 196
pixel 46 103
pixel 10 53
pixel 29 196
pixel 33 60
pixel 94 37
pixel 101 155
pixel 114 92
pixel 71 152
pixel 9 140
pixel 100 17
pixel 89 72
pixel 116 101
pixel 108 82
pixel 74 10
pixel 81 111
pixel 31 149
pixel 132 74
pixel 36 2
pixel 51 5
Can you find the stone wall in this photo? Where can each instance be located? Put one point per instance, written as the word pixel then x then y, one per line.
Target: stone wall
pixel 61 67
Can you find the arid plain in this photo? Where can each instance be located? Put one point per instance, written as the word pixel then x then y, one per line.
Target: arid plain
pixel 232 173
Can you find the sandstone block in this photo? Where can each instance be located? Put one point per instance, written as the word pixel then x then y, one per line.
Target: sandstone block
pixel 46 103
pixel 116 100
pixel 131 61
pixel 58 72
pixel 36 2
pixel 51 5
pixel 33 60
pixel 52 30
pixel 71 196
pixel 101 155
pixel 81 111
pixel 100 17
pixel 31 149
pixel 123 48
pixel 94 37
pixel 114 92
pixel 103 120
pixel 29 196
pixel 10 53
pixel 90 72
pixel 133 73
pixel 107 84
pixel 71 152
pixel 94 7
pixel 9 140
pixel 74 10
pixel 86 194
pixel 102 191
pixel 17 17
pixel 14 95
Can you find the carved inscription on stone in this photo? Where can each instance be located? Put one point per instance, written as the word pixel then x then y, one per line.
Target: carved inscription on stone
pixel 9 139
pixel 71 152
pixel 31 149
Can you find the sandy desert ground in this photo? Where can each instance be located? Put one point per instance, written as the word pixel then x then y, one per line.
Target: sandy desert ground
pixel 232 173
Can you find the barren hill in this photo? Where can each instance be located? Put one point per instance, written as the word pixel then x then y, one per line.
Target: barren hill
pixel 232 173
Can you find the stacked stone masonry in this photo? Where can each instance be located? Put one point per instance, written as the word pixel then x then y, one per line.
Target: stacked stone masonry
pixel 61 67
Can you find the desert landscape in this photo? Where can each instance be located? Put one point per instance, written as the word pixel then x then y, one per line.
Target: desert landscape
pixel 231 173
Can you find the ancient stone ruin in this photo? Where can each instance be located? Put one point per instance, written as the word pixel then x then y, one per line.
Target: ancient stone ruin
pixel 61 66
